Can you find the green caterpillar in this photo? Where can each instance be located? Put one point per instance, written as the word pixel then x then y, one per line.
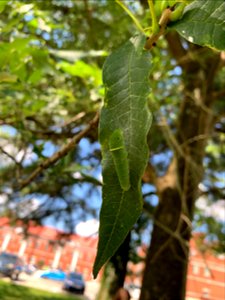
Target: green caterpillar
pixel 119 154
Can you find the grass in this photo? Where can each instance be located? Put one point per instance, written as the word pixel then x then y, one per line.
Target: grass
pixel 10 291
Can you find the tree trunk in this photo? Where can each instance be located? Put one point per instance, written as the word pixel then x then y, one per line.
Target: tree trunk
pixel 119 262
pixel 167 257
pixel 166 262
pixel 115 271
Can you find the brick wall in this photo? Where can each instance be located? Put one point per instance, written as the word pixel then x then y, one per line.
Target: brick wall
pixel 206 272
pixel 47 246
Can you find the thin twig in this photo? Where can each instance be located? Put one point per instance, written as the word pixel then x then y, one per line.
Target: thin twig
pixel 196 139
pixel 74 119
pixel 218 94
pixel 155 25
pixel 130 15
pixel 173 234
pixel 59 154
pixel 161 249
pixel 9 156
pixel 173 143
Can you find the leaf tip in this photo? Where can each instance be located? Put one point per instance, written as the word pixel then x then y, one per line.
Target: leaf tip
pixel 96 269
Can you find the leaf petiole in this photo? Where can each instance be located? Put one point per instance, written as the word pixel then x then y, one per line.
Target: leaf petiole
pixel 155 25
pixel 136 22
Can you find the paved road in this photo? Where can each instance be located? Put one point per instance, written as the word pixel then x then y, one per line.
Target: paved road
pixel 53 286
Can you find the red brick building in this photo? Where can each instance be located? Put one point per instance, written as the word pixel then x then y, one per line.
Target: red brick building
pixel 206 275
pixel 46 246
pixel 50 247
pixel 205 278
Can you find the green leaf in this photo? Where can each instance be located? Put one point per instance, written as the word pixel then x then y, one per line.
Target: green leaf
pixel 83 70
pixel 22 9
pixel 3 4
pixel 203 23
pixel 6 77
pixel 126 79
pixel 35 77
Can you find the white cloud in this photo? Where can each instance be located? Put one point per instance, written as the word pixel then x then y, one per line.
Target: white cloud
pixel 3 199
pixel 215 210
pixel 87 228
pixel 77 175
pixel 202 187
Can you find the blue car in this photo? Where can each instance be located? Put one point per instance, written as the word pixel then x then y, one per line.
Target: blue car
pixel 74 282
pixel 54 275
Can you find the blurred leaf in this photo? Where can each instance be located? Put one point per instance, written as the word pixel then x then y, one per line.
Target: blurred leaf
pixel 3 4
pixel 75 55
pixel 6 77
pixel 83 70
pixel 35 77
pixel 22 9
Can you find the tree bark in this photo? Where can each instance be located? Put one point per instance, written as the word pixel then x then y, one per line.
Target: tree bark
pixel 115 271
pixel 166 261
pixel 119 262
pixel 167 258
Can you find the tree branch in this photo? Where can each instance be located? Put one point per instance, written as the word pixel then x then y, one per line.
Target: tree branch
pixel 74 119
pixel 218 94
pixel 9 156
pixel 175 234
pixel 59 154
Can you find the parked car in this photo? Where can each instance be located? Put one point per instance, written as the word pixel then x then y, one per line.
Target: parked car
pixel 30 269
pixel 74 282
pixel 58 275
pixel 10 265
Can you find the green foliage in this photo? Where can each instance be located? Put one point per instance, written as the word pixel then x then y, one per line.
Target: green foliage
pixel 83 70
pixel 9 291
pixel 44 101
pixel 51 56
pixel 125 76
pixel 3 4
pixel 117 115
pixel 203 23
